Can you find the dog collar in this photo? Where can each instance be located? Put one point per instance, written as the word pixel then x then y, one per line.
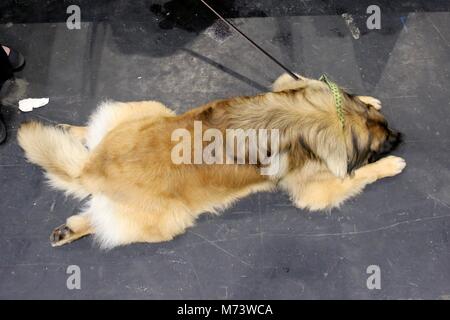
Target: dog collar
pixel 338 101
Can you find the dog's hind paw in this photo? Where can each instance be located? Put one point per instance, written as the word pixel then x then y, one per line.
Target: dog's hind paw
pixel 61 235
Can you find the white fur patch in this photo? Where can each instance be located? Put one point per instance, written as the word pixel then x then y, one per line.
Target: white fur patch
pixel 101 122
pixel 110 231
pixel 279 168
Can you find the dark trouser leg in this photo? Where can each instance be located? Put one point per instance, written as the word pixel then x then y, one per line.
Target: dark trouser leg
pixel 5 74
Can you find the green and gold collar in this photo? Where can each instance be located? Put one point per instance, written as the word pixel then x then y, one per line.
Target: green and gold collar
pixel 338 99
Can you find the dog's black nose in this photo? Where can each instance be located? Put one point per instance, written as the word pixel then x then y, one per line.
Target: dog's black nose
pixel 395 138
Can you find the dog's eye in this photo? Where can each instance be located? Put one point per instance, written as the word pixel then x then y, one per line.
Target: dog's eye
pixel 373 156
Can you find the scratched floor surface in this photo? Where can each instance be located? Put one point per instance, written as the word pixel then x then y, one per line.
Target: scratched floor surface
pixel 262 247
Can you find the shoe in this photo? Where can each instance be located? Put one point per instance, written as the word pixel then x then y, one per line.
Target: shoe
pixel 2 130
pixel 6 71
pixel 15 58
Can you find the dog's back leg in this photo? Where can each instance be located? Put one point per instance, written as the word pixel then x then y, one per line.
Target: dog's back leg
pixel 114 224
pixel 76 227
pixel 127 225
pixel 325 191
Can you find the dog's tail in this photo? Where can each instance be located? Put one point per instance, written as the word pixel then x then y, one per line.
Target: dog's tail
pixel 60 154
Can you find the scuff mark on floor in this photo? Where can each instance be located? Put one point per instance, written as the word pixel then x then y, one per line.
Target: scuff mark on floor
pixel 12 91
pixel 52 207
pixel 219 32
pixel 221 249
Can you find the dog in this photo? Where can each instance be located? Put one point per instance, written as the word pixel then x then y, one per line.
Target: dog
pixel 122 162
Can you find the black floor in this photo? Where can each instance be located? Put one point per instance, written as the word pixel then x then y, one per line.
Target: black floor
pixel 262 247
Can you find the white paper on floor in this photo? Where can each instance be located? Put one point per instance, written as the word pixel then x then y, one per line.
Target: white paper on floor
pixel 26 105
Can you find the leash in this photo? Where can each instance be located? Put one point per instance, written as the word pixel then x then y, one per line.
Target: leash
pixel 338 100
pixel 293 75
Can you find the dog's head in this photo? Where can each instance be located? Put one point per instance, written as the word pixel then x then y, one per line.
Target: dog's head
pixel 364 138
pixel 371 136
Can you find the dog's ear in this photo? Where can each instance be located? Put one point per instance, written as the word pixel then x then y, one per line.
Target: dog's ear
pixel 329 146
pixel 360 151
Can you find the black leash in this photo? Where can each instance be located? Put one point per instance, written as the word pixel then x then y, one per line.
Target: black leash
pixel 293 75
pixel 333 86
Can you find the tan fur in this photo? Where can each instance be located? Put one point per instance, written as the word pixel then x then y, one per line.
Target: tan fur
pixel 313 187
pixel 139 195
pixel 75 131
pixel 63 164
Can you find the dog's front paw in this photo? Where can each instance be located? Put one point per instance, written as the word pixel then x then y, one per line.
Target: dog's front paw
pixel 285 81
pixel 374 102
pixel 389 166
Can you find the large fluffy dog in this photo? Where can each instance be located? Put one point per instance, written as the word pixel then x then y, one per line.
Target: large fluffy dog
pixel 122 160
